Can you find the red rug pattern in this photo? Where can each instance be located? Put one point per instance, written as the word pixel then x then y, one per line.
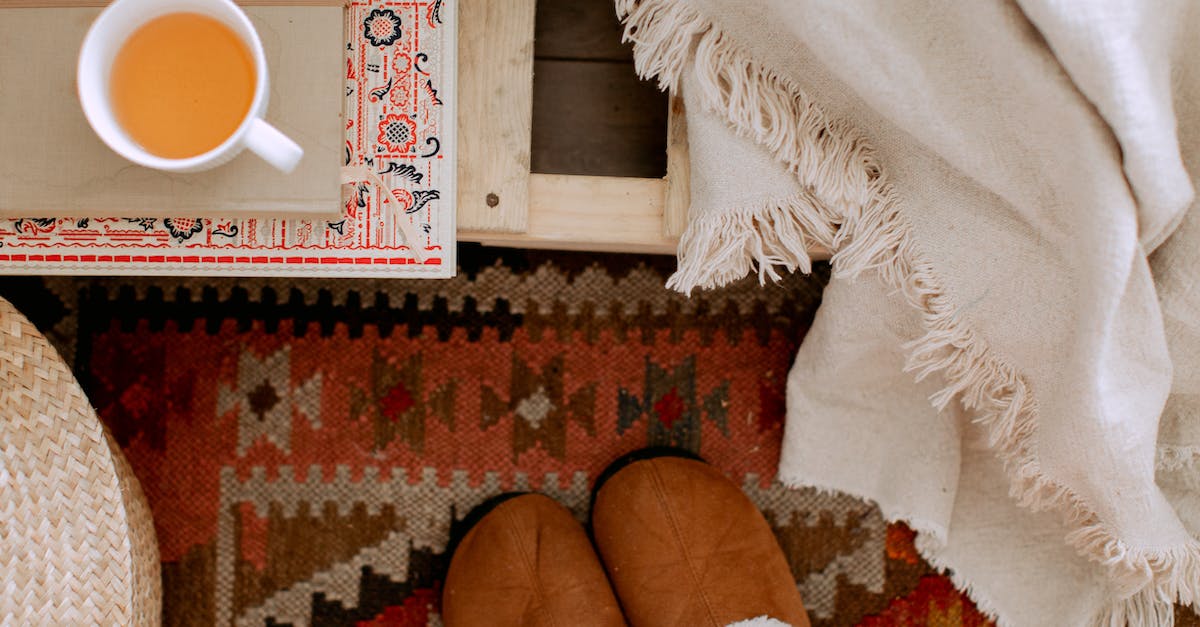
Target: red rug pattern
pixel 307 448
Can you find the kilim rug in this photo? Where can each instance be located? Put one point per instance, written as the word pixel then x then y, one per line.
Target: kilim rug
pixel 306 446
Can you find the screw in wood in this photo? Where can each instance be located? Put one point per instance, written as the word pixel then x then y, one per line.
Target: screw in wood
pixel 492 200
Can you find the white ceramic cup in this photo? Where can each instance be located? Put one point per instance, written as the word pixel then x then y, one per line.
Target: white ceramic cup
pixel 109 33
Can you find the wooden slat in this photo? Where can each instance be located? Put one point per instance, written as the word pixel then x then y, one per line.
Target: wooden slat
pixel 495 82
pixel 678 198
pixel 579 30
pixel 597 118
pixel 596 213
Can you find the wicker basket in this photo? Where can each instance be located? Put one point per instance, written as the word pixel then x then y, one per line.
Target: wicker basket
pixel 77 543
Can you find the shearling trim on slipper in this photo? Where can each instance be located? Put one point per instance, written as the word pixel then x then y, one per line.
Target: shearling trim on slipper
pixel 761 621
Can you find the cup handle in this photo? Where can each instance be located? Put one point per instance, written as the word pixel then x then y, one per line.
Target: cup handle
pixel 274 147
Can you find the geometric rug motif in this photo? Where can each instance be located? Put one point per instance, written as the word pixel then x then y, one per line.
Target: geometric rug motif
pixel 307 446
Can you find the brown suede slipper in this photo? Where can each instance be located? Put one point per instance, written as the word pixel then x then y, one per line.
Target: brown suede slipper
pixel 683 546
pixel 527 562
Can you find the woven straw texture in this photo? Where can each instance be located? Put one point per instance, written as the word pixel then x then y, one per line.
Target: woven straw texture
pixel 77 544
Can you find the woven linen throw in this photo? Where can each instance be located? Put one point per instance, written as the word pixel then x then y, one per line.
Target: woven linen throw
pixel 1006 188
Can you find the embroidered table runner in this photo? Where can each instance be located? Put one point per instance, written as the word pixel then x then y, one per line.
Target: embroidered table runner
pixel 398 80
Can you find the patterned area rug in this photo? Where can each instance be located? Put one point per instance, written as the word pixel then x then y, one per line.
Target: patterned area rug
pixel 306 446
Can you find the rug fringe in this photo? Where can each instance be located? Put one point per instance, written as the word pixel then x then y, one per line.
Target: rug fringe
pixel 854 212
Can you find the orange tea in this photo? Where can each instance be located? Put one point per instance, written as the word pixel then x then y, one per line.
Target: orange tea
pixel 182 84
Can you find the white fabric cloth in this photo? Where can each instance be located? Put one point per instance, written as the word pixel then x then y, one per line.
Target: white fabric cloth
pixel 1009 350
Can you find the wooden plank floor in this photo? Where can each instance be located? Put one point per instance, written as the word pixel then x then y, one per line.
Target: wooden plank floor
pixel 591 114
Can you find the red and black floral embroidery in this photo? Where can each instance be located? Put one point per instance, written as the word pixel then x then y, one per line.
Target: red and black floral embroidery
pixel 35 226
pixel 147 224
pixel 421 197
pixel 183 229
pixel 398 133
pixel 382 27
pixel 403 170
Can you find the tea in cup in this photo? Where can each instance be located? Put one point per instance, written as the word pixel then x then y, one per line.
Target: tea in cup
pixel 179 85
